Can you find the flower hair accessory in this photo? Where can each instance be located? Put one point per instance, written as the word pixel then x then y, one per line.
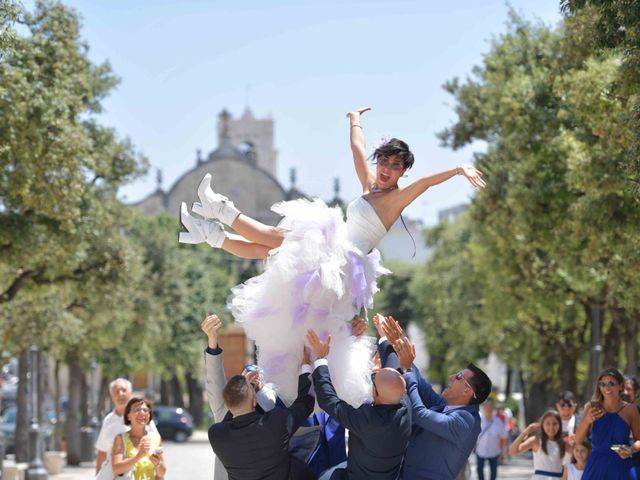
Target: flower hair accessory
pixel 383 141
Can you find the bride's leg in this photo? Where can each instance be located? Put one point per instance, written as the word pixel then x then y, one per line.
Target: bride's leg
pixel 212 232
pixel 258 232
pixel 243 248
pixel 212 205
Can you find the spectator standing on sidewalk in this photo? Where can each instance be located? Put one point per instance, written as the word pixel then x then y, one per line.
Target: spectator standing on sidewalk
pixel 488 447
pixel 113 423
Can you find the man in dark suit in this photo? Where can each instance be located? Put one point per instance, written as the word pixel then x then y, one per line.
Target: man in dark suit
pixel 378 433
pixel 254 445
pixel 445 427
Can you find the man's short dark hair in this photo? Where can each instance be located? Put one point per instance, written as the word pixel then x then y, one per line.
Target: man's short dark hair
pixel 236 392
pixel 566 396
pixel 480 383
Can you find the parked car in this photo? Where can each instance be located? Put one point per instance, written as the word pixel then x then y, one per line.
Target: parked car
pixel 8 428
pixel 173 423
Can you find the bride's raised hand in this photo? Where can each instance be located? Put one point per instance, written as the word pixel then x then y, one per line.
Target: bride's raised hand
pixel 473 175
pixel 357 112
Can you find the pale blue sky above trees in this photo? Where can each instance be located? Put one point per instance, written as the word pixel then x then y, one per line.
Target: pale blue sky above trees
pixel 304 64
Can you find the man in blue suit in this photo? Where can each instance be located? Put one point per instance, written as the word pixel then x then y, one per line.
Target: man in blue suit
pixel 445 427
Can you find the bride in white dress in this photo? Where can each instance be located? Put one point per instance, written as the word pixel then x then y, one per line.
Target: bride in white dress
pixel 320 270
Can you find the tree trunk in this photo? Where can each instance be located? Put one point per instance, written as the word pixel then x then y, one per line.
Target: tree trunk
pixel 507 388
pixel 539 399
pixel 196 399
pixel 76 379
pixel 613 340
pixel 593 310
pixel 525 393
pixel 43 388
pixel 164 392
pixel 21 442
pixel 104 398
pixel 631 343
pixel 176 390
pixel 84 401
pixel 568 366
pixel 57 433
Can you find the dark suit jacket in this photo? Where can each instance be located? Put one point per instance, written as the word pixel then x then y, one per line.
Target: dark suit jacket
pixel 378 434
pixel 255 446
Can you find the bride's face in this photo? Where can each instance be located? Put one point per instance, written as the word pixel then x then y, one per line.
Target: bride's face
pixel 388 171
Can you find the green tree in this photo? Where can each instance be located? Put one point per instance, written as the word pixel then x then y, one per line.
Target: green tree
pixel 555 216
pixel 394 297
pixel 64 260
pixel 448 291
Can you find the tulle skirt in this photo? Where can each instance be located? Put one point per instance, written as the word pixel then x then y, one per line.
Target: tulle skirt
pixel 316 279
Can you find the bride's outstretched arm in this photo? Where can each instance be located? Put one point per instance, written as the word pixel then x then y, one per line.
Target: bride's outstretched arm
pixel 358 149
pixel 417 188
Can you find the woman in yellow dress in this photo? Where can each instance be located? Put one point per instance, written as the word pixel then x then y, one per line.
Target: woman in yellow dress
pixel 138 450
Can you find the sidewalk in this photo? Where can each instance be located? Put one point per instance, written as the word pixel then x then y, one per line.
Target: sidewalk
pixel 196 453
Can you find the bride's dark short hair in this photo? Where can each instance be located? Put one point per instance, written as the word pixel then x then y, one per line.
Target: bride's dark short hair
pixel 397 147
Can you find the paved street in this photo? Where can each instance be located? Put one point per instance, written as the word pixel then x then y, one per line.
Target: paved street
pixel 193 460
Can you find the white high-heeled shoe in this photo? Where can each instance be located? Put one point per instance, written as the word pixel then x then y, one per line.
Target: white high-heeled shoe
pixel 214 205
pixel 200 230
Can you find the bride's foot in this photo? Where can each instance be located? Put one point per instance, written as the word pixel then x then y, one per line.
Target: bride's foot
pixel 214 205
pixel 199 230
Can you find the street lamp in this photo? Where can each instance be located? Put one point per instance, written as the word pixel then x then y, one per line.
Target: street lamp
pixel 36 470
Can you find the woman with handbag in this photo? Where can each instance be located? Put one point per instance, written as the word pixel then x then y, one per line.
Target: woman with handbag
pixel 137 454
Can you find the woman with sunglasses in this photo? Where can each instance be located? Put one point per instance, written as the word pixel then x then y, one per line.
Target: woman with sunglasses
pixel 611 421
pixel 320 271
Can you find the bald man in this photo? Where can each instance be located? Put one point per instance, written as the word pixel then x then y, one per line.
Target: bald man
pixel 378 433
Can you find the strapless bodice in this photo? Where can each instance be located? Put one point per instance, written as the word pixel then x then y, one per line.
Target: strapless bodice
pixel 364 227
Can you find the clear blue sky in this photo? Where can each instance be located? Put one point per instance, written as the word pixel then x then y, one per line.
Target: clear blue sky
pixel 304 64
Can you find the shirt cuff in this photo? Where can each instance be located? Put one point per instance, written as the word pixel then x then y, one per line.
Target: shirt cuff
pixel 320 361
pixel 213 351
pixel 305 368
pixel 381 340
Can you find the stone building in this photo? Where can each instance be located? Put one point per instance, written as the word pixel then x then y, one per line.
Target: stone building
pixel 243 168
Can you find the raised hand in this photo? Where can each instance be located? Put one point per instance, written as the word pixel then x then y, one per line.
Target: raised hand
pixel 531 428
pixel 254 378
pixel 210 326
pixel 320 348
pixel 406 352
pixel 357 112
pixel 392 330
pixel 378 321
pixel 358 327
pixel 473 175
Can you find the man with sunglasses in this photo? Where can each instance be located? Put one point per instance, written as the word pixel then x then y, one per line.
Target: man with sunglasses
pixel 566 407
pixel 446 426
pixel 378 432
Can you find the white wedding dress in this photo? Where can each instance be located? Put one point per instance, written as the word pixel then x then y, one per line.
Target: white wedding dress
pixel 321 276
